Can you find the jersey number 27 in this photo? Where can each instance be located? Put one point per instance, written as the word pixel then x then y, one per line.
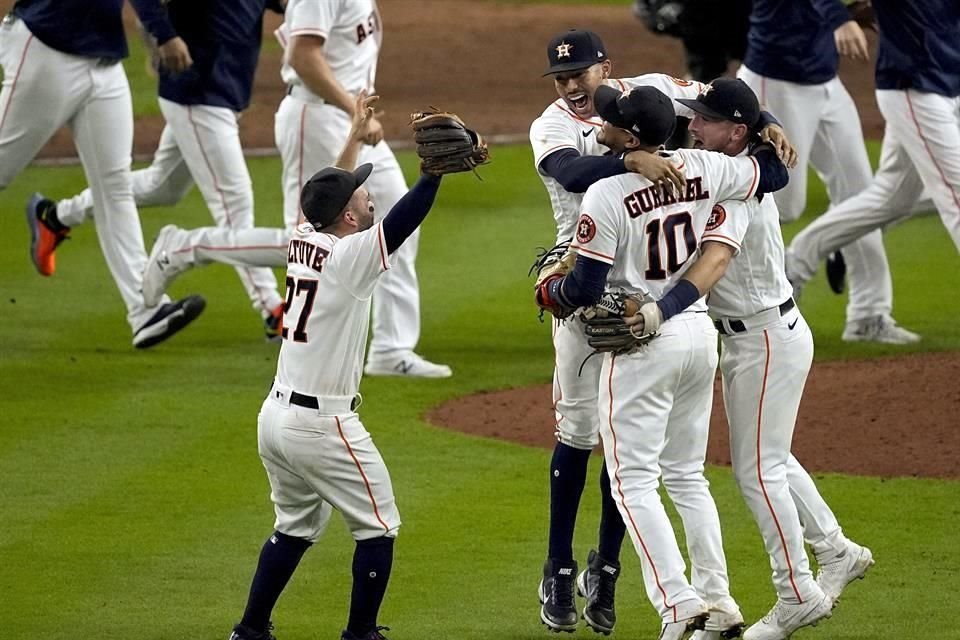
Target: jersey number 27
pixel 295 288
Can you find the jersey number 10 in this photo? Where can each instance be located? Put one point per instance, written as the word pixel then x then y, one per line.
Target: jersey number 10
pixel 668 228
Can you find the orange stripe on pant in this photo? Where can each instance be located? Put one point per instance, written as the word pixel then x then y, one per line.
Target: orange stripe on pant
pixel 366 482
pixel 763 488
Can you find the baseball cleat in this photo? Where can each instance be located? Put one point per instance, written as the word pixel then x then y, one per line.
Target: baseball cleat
pixel 558 609
pixel 241 632
pixel 163 265
pixel 168 320
pixel 784 618
pixel 43 238
pixel 373 634
pixel 836 271
pixel 724 623
pixel 883 329
pixel 684 628
pixel 273 325
pixel 834 575
pixel 598 583
pixel 407 364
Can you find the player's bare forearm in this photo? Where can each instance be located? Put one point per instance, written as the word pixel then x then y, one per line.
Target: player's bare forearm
pixel 307 59
pixel 710 266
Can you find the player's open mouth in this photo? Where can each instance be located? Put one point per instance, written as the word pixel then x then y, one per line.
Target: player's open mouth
pixel 579 100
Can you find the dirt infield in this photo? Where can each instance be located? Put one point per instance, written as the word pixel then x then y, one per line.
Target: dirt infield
pixel 886 417
pixel 482 59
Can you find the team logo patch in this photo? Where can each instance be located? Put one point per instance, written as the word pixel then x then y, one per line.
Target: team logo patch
pixel 681 82
pixel 717 217
pixel 563 50
pixel 586 229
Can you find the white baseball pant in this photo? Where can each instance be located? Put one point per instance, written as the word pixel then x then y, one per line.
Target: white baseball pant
pixel 764 371
pixel 824 126
pixel 921 150
pixel 576 378
pixel 654 408
pixel 205 141
pixel 45 89
pixel 319 460
pixel 310 136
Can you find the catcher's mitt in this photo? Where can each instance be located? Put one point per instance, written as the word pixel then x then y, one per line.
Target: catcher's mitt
pixel 552 264
pixel 445 144
pixel 606 328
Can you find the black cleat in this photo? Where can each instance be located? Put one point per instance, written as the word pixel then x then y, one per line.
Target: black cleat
pixel 598 584
pixel 558 610
pixel 168 320
pixel 836 272
pixel 373 634
pixel 241 632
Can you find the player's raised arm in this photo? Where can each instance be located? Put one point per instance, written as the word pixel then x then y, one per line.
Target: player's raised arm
pixel 360 125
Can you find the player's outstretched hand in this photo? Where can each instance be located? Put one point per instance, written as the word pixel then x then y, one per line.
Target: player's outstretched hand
pixel 658 169
pixel 364 115
pixel 774 135
pixel 174 55
pixel 851 43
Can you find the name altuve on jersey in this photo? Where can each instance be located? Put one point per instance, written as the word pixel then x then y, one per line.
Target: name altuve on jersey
pixel 652 197
pixel 306 253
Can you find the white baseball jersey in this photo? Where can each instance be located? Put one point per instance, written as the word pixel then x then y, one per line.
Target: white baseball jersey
pixel 648 235
pixel 559 128
pixel 755 279
pixel 329 284
pixel 352 33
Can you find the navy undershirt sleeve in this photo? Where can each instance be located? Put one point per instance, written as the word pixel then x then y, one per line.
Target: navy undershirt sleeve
pixel 409 212
pixel 682 295
pixel 154 18
pixel 773 173
pixel 766 118
pixel 584 285
pixel 576 173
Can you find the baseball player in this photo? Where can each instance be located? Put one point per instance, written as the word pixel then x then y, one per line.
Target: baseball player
pixel 766 356
pixel 791 64
pixel 201 140
pixel 317 454
pixel 569 158
pixel 918 84
pixel 654 404
pixel 61 62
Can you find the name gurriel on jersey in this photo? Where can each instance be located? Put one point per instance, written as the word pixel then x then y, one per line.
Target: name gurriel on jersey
pixel 648 198
pixel 306 253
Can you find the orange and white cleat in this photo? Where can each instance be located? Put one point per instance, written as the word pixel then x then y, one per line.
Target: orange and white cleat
pixel 44 238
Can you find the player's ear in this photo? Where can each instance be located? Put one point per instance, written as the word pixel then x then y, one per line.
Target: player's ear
pixel 606 67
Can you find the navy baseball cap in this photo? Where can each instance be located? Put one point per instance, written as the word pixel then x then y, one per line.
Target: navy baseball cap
pixel 328 191
pixel 646 112
pixel 727 99
pixel 574 50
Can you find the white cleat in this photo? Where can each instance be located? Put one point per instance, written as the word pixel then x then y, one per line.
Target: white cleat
pixel 834 575
pixel 409 365
pixel 694 619
pixel 785 618
pixel 721 625
pixel 882 329
pixel 163 266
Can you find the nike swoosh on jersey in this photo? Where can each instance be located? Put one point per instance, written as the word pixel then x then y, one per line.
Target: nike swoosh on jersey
pixel 793 324
pixel 586 134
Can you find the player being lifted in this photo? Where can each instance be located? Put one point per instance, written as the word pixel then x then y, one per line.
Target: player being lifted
pixel 569 157
pixel 635 235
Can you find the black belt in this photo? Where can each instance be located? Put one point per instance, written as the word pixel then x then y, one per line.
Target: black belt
pixel 737 326
pixel 310 402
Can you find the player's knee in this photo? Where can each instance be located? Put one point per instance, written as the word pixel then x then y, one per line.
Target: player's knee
pixel 579 434
pixel 296 542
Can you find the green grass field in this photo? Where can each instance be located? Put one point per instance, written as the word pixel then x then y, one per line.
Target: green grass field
pixel 134 503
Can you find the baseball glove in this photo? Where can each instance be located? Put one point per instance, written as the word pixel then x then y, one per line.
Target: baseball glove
pixel 606 328
pixel 445 144
pixel 552 264
pixel 861 12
